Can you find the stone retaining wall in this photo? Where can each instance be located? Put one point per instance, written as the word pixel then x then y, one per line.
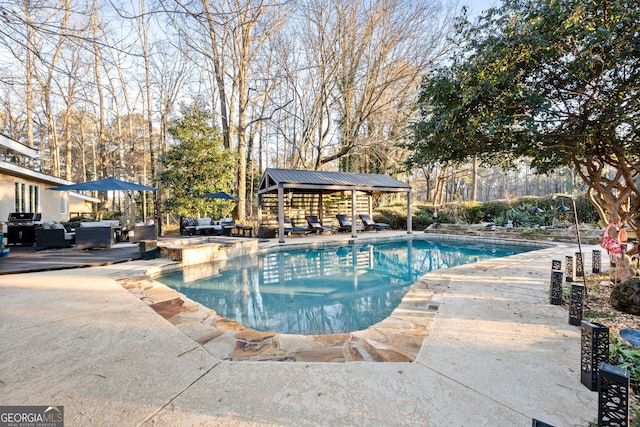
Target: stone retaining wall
pixel 191 251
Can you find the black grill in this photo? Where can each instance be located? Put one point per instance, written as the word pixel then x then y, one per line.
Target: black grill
pixel 22 228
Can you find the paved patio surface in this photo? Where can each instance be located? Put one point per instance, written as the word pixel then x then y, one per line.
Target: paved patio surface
pixel 497 354
pixel 24 259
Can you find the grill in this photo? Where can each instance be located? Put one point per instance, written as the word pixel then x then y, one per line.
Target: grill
pixel 22 228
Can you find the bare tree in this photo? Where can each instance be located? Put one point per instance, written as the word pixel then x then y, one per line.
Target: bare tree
pixel 232 35
pixel 358 72
pixel 46 83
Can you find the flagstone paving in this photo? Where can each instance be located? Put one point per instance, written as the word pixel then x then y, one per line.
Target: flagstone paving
pixel 398 338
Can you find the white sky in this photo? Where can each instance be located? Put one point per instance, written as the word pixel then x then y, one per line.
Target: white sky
pixel 476 7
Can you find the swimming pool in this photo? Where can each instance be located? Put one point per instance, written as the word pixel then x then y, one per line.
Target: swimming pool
pixel 325 290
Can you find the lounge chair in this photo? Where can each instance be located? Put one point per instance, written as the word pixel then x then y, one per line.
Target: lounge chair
pixel 345 223
pixel 370 224
pixel 290 228
pixel 316 227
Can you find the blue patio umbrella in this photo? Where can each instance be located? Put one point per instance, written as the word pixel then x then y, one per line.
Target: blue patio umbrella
pixel 107 184
pixel 221 195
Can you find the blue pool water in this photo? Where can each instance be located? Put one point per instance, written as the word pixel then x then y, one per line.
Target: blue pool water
pixel 323 291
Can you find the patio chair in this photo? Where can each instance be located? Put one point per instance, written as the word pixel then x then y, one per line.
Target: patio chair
pixel 345 223
pixel 316 227
pixel 370 224
pixel 228 226
pixel 290 228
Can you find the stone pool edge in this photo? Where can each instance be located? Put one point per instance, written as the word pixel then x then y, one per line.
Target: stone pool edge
pixel 398 338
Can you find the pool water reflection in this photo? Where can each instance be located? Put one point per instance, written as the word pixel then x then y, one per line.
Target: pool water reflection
pixel 326 290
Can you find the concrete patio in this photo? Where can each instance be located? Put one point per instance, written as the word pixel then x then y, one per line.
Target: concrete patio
pixel 496 354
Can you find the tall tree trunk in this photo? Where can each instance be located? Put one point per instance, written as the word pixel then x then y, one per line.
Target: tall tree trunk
pixel 29 64
pixel 149 105
pixel 101 168
pixel 474 179
pixel 218 69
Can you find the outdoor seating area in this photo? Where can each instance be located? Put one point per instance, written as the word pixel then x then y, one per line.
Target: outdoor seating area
pixel 269 228
pixel 87 234
pixel 326 200
pixel 212 227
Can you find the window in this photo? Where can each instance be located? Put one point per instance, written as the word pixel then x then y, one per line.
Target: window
pixel 63 203
pixel 27 197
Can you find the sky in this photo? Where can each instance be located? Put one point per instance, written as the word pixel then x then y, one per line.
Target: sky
pixel 476 7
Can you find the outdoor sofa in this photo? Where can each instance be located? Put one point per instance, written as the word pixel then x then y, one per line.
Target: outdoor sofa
pixel 204 226
pixel 53 235
pixel 143 231
pixel 98 234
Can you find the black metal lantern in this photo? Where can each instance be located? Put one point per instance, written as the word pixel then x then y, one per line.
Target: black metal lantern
pixel 613 395
pixel 579 265
pixel 596 261
pixel 576 305
pixel 594 349
pixel 569 268
pixel 555 290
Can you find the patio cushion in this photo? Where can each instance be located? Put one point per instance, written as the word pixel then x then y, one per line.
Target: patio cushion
pixel 189 222
pixel 102 223
pixel 203 221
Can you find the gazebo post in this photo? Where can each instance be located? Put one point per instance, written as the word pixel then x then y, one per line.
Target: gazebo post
pixel 409 222
pixel 280 213
pixel 354 229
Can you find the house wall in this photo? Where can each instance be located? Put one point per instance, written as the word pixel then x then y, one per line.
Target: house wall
pixel 51 204
pixel 49 201
pixel 79 207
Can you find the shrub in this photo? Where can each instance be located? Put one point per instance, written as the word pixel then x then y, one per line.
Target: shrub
pixel 628 358
pixel 422 218
pixel 472 212
pixel 396 218
pixel 493 210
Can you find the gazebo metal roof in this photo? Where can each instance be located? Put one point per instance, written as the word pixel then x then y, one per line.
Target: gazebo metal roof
pixel 327 182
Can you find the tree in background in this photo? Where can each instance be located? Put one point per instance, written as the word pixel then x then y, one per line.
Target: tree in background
pixel 196 165
pixel 553 81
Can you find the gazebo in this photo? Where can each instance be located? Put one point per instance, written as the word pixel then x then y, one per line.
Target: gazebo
pixel 278 184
